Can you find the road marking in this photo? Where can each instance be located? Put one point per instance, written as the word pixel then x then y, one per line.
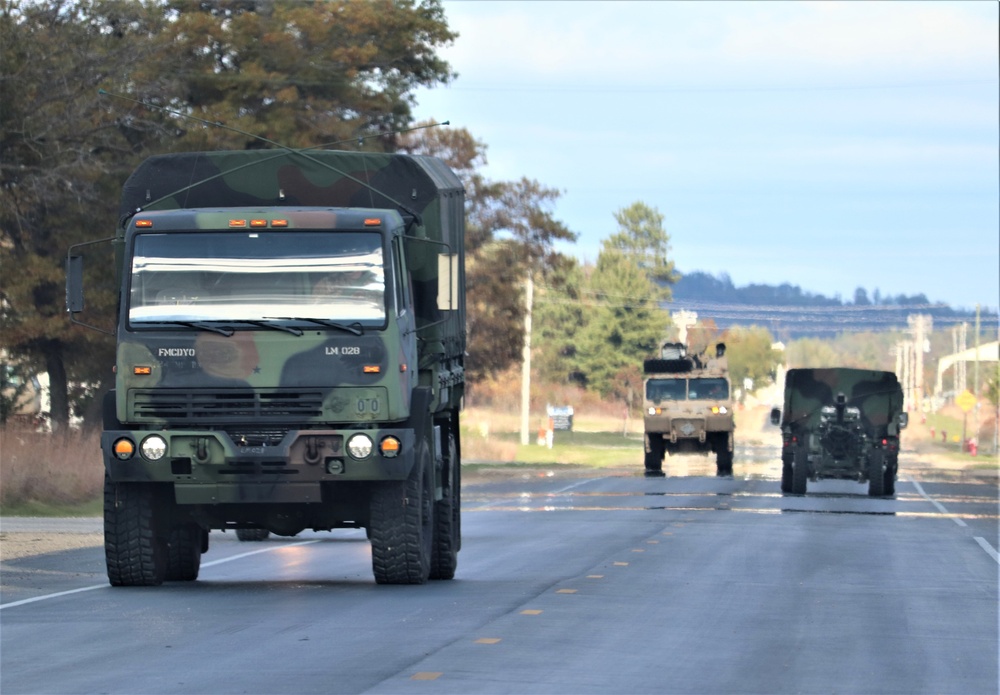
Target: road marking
pixel 488 640
pixel 937 505
pixel 566 591
pixel 531 611
pixel 984 544
pixel 35 599
pixel 426 676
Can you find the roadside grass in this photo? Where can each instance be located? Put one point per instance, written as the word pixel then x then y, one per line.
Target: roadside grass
pixel 50 474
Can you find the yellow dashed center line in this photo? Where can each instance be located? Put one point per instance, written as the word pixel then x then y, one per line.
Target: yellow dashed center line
pixel 426 676
pixel 531 611
pixel 487 640
pixel 566 591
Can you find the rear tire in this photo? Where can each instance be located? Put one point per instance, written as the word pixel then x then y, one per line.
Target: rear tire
pixel 800 472
pixel 786 473
pixel 876 473
pixel 723 459
pixel 134 548
pixel 402 525
pixel 184 553
pixel 447 517
pixel 251 535
pixel 890 476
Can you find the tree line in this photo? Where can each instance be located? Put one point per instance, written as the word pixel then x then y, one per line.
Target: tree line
pixel 90 88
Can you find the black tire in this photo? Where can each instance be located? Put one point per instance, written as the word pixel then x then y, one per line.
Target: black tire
pixel 889 486
pixel 134 547
pixel 252 534
pixel 448 516
pixel 654 457
pixel 402 525
pixel 786 473
pixel 723 460
pixel 876 473
pixel 800 472
pixel 184 553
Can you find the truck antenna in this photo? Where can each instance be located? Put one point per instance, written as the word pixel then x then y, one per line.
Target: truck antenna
pixel 290 150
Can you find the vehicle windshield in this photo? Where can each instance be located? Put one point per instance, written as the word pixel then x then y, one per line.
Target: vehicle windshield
pixel 666 390
pixel 687 389
pixel 258 276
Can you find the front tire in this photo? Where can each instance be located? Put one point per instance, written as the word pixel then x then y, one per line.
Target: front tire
pixel 654 454
pixel 723 460
pixel 402 525
pixel 134 550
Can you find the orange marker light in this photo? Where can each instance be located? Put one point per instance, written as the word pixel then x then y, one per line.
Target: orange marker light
pixel 145 224
pixel 279 223
pixel 372 369
pixel 390 447
pixel 258 223
pixel 372 221
pixel 142 371
pixel 124 449
pixel 237 224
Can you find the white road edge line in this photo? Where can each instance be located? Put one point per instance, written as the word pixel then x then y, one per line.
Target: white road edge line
pixel 22 602
pixel 984 544
pixel 937 505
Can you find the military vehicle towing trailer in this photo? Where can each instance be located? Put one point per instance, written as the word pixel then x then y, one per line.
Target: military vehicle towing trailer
pixel 687 407
pixel 290 356
pixel 840 423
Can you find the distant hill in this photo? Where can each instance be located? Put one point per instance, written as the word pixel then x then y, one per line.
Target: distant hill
pixel 789 312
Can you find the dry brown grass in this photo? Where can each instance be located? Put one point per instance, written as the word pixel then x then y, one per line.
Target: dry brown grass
pixel 50 468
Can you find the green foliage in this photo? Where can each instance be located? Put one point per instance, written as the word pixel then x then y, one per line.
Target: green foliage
pixel 642 238
pixel 301 74
pixel 625 325
pixel 751 356
pixel 510 232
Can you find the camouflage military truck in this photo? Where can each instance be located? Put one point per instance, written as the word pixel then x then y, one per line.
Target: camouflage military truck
pixel 688 407
pixel 840 423
pixel 290 356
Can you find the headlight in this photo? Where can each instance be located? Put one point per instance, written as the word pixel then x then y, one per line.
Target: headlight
pixel 153 447
pixel 359 446
pixel 719 409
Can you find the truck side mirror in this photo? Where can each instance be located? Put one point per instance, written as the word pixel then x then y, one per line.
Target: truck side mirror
pixel 775 416
pixel 74 284
pixel 903 419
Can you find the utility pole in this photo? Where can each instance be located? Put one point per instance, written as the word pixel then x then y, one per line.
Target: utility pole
pixel 975 369
pixel 529 291
pixel 921 325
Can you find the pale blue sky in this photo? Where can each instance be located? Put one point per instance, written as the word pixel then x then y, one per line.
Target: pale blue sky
pixel 827 144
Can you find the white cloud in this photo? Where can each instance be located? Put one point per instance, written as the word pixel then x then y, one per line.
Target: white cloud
pixel 680 43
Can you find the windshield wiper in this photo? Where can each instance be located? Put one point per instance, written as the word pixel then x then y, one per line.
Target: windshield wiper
pixel 202 325
pixel 266 323
pixel 354 328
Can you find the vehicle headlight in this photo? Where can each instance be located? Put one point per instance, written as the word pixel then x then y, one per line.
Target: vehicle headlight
pixel 153 447
pixel 359 446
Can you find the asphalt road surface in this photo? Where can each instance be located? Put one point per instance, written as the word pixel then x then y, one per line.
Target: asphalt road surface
pixel 580 583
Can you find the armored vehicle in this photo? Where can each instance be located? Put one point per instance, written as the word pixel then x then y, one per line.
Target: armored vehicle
pixel 688 407
pixel 290 356
pixel 840 423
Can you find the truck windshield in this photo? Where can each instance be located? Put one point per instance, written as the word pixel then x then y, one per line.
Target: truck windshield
pixel 666 390
pixel 687 389
pixel 258 276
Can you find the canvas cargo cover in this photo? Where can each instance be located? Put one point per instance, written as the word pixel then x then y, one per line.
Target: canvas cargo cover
pixel 877 394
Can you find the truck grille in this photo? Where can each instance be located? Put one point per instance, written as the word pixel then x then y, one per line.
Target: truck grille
pixel 226 406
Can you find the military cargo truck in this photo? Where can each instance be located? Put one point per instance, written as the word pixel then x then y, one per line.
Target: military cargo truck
pixel 290 356
pixel 688 407
pixel 840 423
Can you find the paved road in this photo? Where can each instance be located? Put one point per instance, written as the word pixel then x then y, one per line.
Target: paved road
pixel 589 584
